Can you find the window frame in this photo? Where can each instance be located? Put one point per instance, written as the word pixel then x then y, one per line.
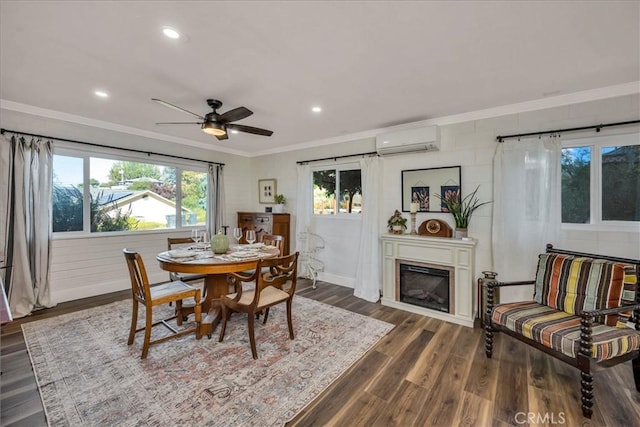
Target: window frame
pixel 338 168
pixel 66 149
pixel 597 143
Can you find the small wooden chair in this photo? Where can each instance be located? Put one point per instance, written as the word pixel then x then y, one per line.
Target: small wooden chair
pixel 274 240
pixel 187 305
pixel 275 287
pixel 151 296
pixel 172 242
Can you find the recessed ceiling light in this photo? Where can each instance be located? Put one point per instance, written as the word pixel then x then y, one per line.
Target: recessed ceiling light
pixel 234 131
pixel 170 32
pixel 101 94
pixel 316 109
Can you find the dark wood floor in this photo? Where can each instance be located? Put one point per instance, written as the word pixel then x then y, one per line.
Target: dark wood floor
pixel 424 373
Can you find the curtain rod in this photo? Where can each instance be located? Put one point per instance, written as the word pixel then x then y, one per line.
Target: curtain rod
pixel 148 153
pixel 501 138
pixel 370 153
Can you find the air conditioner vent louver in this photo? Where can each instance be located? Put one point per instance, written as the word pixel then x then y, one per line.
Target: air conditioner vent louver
pixel 410 140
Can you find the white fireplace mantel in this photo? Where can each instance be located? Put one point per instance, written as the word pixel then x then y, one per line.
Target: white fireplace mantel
pixel 448 252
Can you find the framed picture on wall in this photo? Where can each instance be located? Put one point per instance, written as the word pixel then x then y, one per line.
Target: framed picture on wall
pixel 267 190
pixel 420 185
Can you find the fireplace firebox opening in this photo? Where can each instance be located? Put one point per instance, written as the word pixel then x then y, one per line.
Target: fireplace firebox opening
pixel 425 285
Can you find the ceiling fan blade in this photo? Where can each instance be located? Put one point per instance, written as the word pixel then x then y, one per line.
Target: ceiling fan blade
pixel 175 107
pixel 222 137
pixel 250 129
pixel 235 114
pixel 179 123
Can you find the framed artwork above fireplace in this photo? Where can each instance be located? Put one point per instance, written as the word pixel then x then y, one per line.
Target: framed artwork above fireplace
pixel 421 185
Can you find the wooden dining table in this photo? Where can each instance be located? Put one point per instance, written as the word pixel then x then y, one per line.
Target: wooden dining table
pixel 215 267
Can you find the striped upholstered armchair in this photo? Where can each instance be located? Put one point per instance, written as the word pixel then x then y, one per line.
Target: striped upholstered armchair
pixel 585 308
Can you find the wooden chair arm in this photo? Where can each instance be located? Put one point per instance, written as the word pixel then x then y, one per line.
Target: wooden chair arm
pixel 496 284
pixel 244 276
pixel 238 278
pixel 605 311
pixel 491 286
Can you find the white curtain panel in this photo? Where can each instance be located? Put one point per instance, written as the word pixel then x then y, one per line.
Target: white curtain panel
pixel 304 212
pixel 526 213
pixel 28 255
pixel 215 199
pixel 5 174
pixel 304 196
pixel 368 280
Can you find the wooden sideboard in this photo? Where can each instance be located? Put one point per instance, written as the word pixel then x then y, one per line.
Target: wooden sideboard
pixel 266 223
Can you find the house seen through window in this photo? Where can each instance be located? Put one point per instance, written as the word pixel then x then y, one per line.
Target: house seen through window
pixel 337 191
pixel 601 180
pixel 125 195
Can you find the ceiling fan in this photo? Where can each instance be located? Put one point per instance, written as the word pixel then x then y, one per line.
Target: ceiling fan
pixel 217 124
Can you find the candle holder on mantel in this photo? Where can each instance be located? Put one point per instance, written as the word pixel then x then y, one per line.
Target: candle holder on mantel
pixel 413 223
pixel 413 209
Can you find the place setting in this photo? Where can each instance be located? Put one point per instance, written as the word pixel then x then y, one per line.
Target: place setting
pixel 199 250
pixel 245 251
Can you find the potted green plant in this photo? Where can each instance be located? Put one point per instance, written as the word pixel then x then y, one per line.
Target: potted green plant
pixel 280 201
pixel 461 209
pixel 397 224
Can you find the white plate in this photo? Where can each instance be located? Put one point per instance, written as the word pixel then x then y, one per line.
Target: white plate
pixel 180 253
pixel 243 255
pixel 256 246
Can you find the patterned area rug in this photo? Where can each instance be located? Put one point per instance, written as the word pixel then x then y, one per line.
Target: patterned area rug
pixel 89 376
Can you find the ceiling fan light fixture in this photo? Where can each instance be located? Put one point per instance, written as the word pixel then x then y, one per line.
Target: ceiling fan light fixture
pixel 212 128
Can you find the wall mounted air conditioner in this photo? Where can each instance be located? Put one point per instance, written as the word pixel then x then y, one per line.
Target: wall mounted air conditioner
pixel 410 140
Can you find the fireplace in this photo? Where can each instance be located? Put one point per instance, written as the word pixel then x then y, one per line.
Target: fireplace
pixel 455 256
pixel 425 285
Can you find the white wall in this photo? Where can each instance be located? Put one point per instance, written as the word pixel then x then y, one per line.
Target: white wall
pixel 471 145
pixel 91 266
pixel 341 236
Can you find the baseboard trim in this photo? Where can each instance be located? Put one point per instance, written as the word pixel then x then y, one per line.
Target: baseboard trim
pixel 348 282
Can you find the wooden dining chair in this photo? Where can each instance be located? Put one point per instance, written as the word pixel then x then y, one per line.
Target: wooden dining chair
pixel 275 287
pixel 172 243
pixel 274 240
pixel 151 296
pixel 187 305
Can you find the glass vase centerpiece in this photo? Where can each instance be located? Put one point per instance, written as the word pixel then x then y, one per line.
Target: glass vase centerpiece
pixel 220 243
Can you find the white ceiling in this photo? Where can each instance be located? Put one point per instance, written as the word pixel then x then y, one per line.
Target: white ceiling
pixel 368 64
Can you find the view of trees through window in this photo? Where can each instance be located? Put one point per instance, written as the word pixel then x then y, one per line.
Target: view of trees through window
pixel 125 195
pixel 576 185
pixel 346 184
pixel 618 181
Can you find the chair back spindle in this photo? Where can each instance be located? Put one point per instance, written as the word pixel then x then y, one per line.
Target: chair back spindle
pixel 138 273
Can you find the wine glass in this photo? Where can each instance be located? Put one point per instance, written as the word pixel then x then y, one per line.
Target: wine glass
pixel 206 238
pixel 251 236
pixel 195 236
pixel 237 234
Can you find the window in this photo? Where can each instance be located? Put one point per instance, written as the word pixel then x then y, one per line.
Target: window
pixel 124 195
pixel 194 197
pixel 601 180
pixel 67 195
pixel 337 191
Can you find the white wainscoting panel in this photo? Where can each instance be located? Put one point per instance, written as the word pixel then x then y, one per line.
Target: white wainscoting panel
pixel 89 266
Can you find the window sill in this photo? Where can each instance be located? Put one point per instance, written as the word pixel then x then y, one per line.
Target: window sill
pixel 348 217
pixel 72 235
pixel 627 228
